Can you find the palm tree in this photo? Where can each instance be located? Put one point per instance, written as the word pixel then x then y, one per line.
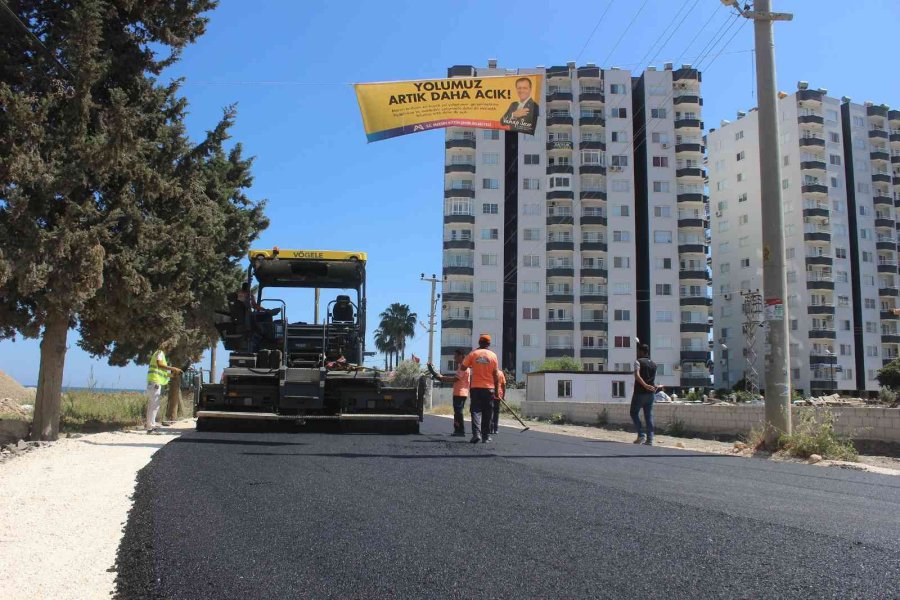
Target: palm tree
pixel 384 343
pixel 400 323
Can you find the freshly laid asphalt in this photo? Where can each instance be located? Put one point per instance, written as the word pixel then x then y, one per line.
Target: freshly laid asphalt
pixel 531 515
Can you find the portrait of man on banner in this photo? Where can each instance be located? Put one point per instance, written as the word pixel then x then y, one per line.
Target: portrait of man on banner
pixel 522 114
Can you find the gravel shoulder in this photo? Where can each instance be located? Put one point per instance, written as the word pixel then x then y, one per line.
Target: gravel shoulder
pixel 884 465
pixel 62 509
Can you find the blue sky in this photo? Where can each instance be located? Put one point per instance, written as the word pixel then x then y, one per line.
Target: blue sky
pixel 289 66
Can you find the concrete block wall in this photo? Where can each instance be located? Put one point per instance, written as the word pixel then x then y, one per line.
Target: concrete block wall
pixel 444 395
pixel 880 424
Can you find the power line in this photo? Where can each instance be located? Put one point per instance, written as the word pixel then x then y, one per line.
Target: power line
pixel 590 37
pixel 624 32
pixel 36 39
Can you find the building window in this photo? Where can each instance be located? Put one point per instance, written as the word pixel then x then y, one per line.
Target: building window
pixel 617 88
pixel 657 113
pixel 532 159
pixel 557 182
pixel 531 235
pixel 531 184
pixel 620 160
pixel 621 236
pixel 591 157
pixel 834 159
pixel 785 184
pixel 741 155
pixel 739 135
pixel 531 287
pixel 725 268
pixel 564 388
pixel 621 262
pixel 663 263
pixel 618 389
pixel 487 312
pixel 490 184
pixel 622 341
pixel 621 210
pixel 743 219
pixel 662 237
pixel 840 252
pixel 740 177
pixel 620 113
pixel 531 260
pixel 621 185
pixel 489 260
pixel 745 263
pixel 662 211
pixel 659 138
pixel 786 160
pixel 621 314
pixel 664 316
pixel 528 341
pixel 663 289
pixel 488 287
pixel 531 314
pixel 490 158
pixel 490 234
pixel 834 138
pixel 742 198
pixel 661 186
pixel 490 208
pixel 619 136
pixel 491 134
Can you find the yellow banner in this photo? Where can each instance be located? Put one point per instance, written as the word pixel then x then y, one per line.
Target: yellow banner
pixel 395 108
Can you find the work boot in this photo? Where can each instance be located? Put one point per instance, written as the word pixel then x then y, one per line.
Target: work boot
pixel 474 440
pixel 640 440
pixel 649 441
pixel 487 439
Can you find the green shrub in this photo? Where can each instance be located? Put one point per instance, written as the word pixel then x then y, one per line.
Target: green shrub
pixel 86 408
pixel 407 374
pixel 887 395
pixel 676 428
pixel 744 396
pixel 557 419
pixel 817 436
pixel 603 418
pixel 889 375
pixel 694 396
pixel 566 363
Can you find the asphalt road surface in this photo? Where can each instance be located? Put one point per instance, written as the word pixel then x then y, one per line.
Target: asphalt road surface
pixel 531 515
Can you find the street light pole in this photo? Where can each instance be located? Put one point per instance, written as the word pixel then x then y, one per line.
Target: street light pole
pixel 778 364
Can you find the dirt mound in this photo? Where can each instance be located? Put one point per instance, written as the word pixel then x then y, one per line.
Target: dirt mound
pixel 9 406
pixel 10 388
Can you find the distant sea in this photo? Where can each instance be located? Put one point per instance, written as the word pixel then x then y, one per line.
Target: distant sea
pixel 102 390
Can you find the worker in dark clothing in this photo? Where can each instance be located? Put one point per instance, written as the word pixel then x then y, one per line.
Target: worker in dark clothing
pixel 643 395
pixel 461 381
pixel 485 385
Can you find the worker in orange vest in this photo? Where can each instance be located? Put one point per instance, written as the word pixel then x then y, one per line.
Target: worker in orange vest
pixel 501 395
pixel 461 382
pixel 485 385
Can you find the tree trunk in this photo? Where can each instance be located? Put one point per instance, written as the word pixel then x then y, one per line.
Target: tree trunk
pixel 174 402
pixel 45 425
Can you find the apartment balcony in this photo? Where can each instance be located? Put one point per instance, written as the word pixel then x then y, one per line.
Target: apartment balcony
pixel 686 74
pixel 560 220
pixel 885 360
pixel 813 165
pixel 894 116
pixel 877 111
pixel 458 297
pixel 584 72
pixel 695 301
pixel 592 170
pixel 459 193
pixel 460 143
pixel 810 96
pixel 560 96
pixel 886 244
pixel 810 120
pixel 693 223
pixel 812 142
pixel 596 246
pixel 593 220
pixel 692 197
pixel 883 200
pixel 896 180
pixel 688 148
pixel 560 352
pixel 692 249
pixel 820 309
pixel 820 235
pixel 687 99
pixel 560 272
pixel 560 145
pixel 594 325
pixel 449 350
pixel 814 188
pixel 689 172
pixel 890 338
pixel 591 97
pixel 895 137
pixel 694 355
pixel 817 357
pixel 822 385
pixel 593 298
pixel 822 333
pixel 456 323
pixel 592 145
pixel 819 282
pixel 462 219
pixel 888 315
pixel 881 178
pixel 560 169
pixel 557 72
pixel 560 325
pixel 560 195
pixel 592 121
pixel 880 155
pixel 878 134
pixel 885 222
pixel 594 272
pixel 559 120
pixel 895 159
pixel 688 124
pixel 459 168
pixel 459 270
pixel 594 352
pixel 696 381
pixel 459 245
pixel 693 274
pixel 888 292
pixel 695 327
pixel 593 195
pixel 825 261
pixel 560 245
pixel 819 211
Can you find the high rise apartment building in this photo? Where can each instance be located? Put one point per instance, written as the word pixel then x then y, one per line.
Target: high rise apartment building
pixel 588 235
pixel 840 184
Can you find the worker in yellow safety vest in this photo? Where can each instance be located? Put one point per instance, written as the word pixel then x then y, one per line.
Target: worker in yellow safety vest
pixel 158 375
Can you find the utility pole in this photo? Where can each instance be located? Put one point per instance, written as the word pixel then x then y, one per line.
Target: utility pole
pixel 429 385
pixel 316 307
pixel 212 362
pixel 778 362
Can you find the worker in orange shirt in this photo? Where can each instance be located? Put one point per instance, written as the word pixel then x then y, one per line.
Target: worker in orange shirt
pixel 501 395
pixel 461 382
pixel 485 385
